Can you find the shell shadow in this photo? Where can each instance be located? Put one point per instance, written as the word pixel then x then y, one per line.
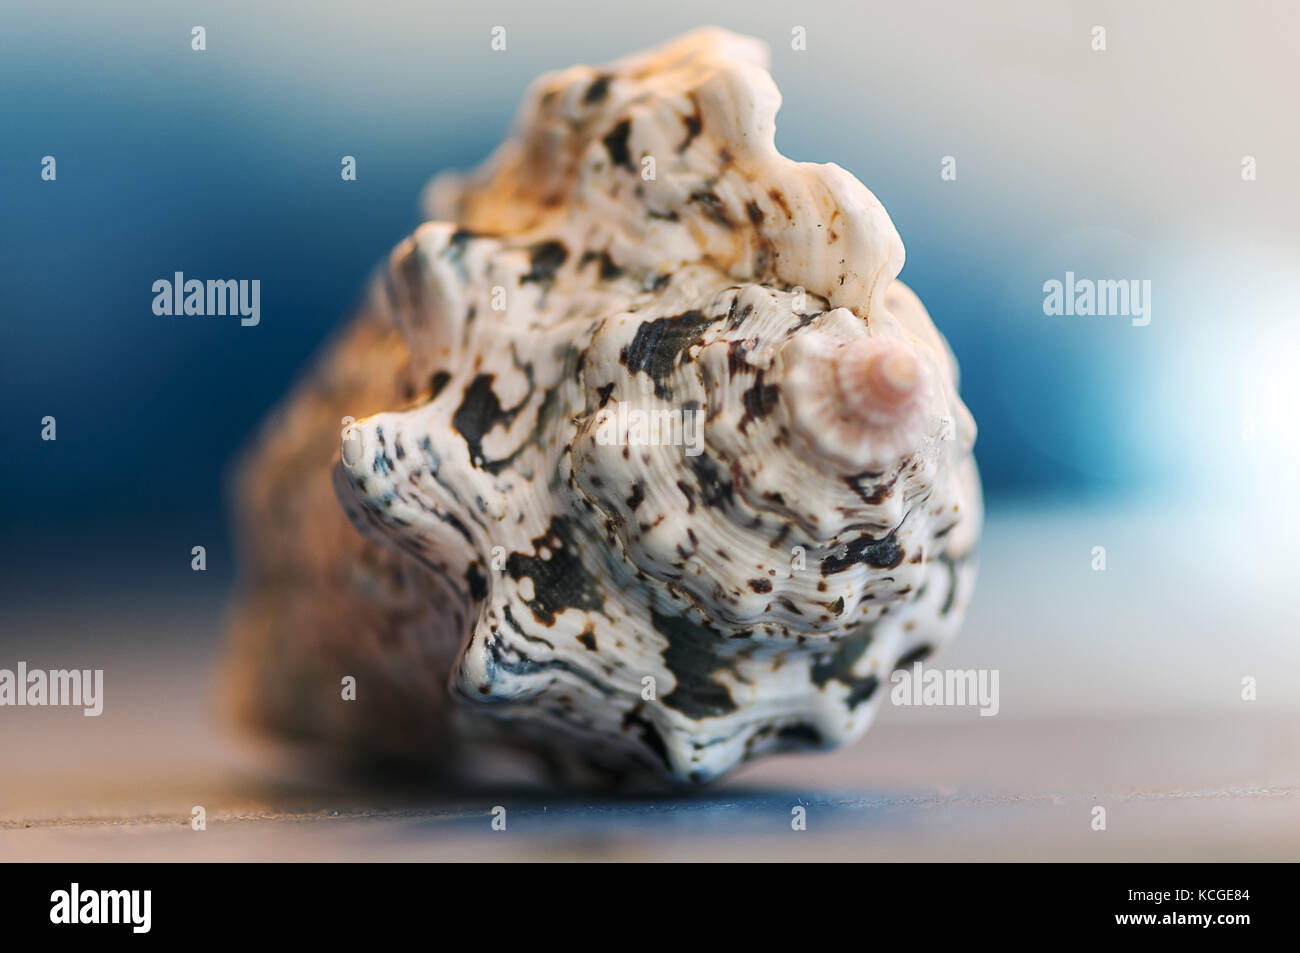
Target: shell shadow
pixel 733 811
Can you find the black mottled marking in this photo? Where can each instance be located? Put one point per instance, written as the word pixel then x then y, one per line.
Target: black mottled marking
pixel 736 351
pixel 458 243
pixel 838 666
pixel 608 270
pixel 708 200
pixel 918 654
pixel 545 259
pixel 714 490
pixel 736 318
pixel 616 145
pixel 760 400
pixel 875 493
pixel 691 658
pixel 658 346
pixel 689 494
pixel 514 624
pixel 801 735
pixel 512 661
pixel 382 463
pixel 560 582
pixel 597 91
pixel 478 413
pixel 478 587
pixel 789 606
pixel 760 585
pixel 861 690
pixel 837 607
pixel 462 237
pixel 883 553
pixel 804 321
pixel 694 125
pixel 451 519
pixel 754 212
pixel 604 393
pixel 636 497
pixel 779 199
pixel 437 383
pixel 588 638
pixel 649 735
pixel 951 599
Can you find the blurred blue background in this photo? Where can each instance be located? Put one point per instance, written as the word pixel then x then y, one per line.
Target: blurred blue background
pixel 225 163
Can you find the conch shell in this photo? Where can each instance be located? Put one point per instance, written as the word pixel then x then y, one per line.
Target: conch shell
pixel 639 462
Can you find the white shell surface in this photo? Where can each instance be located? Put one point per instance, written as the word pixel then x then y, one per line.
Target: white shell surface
pixel 629 507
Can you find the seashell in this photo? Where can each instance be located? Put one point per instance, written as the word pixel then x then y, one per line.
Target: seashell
pixel 638 463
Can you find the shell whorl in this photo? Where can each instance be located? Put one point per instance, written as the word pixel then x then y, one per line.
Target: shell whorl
pixel 668 471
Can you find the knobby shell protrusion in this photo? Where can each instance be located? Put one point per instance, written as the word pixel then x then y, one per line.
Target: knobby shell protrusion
pixel 866 403
pixel 617 479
